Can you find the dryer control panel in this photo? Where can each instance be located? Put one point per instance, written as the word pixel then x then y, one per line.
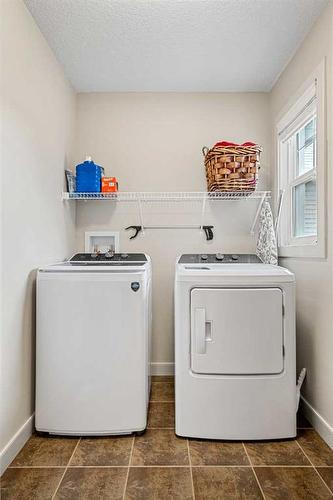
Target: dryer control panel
pixel 219 258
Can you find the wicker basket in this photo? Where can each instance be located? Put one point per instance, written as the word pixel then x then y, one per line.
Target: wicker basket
pixel 232 167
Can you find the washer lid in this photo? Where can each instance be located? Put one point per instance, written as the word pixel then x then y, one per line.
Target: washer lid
pixel 119 264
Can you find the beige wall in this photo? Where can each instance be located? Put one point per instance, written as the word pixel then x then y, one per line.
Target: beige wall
pixel 152 142
pixel 315 276
pixel 38 116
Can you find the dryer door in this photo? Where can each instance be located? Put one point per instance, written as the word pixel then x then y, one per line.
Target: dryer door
pixel 237 331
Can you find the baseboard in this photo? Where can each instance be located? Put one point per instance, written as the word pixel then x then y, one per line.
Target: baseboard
pixel 162 368
pixel 319 423
pixel 9 452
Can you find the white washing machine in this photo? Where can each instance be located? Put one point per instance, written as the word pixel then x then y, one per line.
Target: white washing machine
pixel 235 366
pixel 93 345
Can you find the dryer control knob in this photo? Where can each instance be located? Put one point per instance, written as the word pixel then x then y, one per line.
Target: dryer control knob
pixel 124 255
pixel 235 257
pixel 204 257
pixel 219 256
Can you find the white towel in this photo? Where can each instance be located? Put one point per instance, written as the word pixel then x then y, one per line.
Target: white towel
pixel 266 245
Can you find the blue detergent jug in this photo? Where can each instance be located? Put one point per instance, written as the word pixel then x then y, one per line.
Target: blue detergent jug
pixel 88 177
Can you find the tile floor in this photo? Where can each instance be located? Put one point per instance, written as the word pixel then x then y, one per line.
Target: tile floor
pixel 158 465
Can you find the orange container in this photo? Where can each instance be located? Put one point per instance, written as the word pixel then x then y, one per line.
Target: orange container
pixel 109 185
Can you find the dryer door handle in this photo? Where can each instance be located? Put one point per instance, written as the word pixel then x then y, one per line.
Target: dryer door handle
pixel 200 330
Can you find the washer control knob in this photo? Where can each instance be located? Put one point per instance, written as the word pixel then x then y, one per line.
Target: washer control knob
pixel 124 256
pixel 204 257
pixel 219 256
pixel 234 257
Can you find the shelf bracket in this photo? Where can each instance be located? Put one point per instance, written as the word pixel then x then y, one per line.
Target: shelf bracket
pixel 256 217
pixel 279 210
pixel 140 215
pixel 203 208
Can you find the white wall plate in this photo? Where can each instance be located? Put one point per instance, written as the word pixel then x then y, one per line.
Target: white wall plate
pixel 101 241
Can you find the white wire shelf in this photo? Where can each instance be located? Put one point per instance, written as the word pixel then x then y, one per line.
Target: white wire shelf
pixel 169 196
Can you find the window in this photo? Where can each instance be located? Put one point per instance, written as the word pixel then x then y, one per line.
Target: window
pixel 301 172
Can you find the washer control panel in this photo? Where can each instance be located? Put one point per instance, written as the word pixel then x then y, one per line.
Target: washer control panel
pixel 219 258
pixel 108 258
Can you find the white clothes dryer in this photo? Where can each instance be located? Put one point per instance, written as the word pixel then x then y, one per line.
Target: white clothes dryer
pixel 235 363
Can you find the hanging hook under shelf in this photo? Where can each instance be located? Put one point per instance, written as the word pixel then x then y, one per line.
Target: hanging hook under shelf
pixel 137 229
pixel 208 232
pixel 207 229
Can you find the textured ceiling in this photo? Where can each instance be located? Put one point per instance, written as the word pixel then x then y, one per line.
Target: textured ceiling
pixel 174 45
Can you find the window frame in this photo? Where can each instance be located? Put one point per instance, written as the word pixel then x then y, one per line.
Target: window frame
pixel 309 101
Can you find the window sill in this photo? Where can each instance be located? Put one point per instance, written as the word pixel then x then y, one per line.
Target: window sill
pixel 303 251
